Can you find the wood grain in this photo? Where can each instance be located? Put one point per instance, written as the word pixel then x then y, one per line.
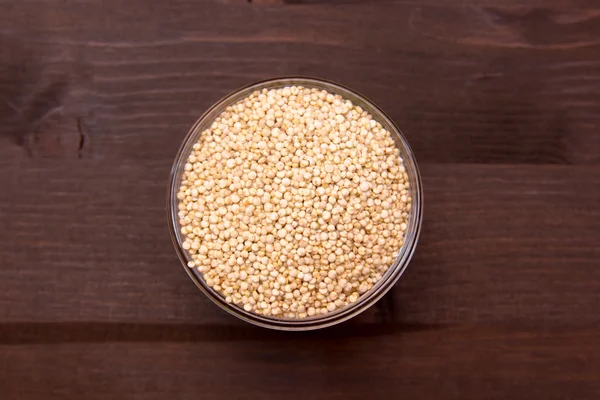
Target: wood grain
pixel 497 364
pixel 499 101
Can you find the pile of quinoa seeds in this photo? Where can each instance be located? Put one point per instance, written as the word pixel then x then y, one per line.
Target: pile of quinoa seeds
pixel 294 203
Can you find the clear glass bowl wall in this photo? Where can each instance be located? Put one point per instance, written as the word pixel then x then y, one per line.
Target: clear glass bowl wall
pixel 392 274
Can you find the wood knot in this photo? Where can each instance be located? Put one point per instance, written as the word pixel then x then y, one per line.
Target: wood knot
pixel 57 136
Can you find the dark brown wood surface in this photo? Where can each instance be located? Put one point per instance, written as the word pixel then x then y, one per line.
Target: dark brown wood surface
pixel 499 99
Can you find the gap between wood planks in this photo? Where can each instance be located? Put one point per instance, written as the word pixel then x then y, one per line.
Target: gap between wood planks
pixel 22 333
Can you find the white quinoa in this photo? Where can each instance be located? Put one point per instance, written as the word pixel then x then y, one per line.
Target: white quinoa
pixel 294 203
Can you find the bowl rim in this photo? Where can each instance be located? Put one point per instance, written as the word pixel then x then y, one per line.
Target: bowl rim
pixel 393 273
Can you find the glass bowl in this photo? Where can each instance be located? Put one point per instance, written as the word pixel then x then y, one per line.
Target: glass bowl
pixel 394 271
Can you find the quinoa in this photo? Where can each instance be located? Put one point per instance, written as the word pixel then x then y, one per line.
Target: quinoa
pixel 294 203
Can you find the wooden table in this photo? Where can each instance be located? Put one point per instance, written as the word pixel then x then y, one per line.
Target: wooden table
pixel 499 99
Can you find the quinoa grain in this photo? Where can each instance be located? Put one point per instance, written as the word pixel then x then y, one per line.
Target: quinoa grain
pixel 294 203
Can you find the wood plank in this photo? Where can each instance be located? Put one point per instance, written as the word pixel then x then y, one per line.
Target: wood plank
pixel 87 240
pixel 467 82
pixel 458 363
